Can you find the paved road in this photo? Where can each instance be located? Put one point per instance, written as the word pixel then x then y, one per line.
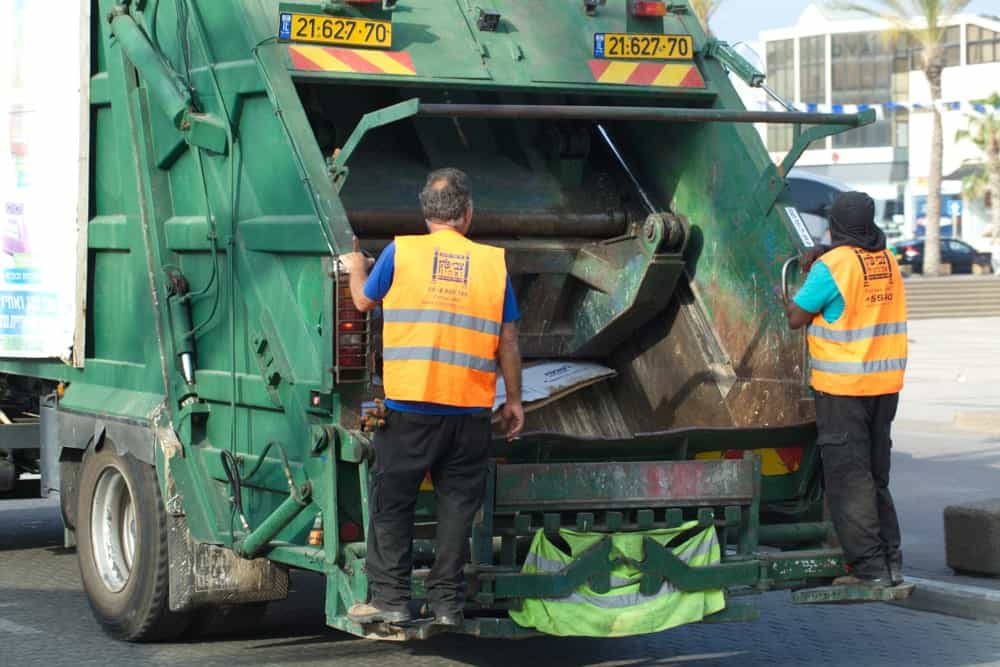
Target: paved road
pixel 44 620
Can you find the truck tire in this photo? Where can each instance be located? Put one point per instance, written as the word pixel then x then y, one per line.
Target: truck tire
pixel 122 547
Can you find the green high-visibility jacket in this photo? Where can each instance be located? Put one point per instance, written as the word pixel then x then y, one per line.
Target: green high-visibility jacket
pixel 623 610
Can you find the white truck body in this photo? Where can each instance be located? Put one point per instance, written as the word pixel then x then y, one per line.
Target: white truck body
pixel 43 177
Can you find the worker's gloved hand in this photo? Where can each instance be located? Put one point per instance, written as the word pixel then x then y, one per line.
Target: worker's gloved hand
pixel 356 262
pixel 512 415
pixel 374 418
pixel 808 257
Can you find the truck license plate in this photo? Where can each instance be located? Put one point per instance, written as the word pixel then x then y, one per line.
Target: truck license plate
pixel 633 45
pixel 335 30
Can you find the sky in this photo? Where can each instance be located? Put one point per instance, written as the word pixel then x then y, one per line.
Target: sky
pixel 742 20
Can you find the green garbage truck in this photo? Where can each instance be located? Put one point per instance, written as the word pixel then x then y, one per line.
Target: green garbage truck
pixel 203 405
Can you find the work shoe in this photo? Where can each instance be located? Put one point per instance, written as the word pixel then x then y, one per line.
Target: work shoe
pixel 896 569
pixel 368 612
pixel 454 620
pixel 868 582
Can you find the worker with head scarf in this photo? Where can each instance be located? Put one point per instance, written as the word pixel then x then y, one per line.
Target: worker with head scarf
pixel 854 306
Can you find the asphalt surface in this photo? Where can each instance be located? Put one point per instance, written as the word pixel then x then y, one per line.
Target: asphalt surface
pixel 45 620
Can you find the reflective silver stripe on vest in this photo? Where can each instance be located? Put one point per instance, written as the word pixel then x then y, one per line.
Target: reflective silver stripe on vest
pixel 421 316
pixel 851 335
pixel 441 356
pixel 625 600
pixel 548 565
pixel 621 600
pixel 853 368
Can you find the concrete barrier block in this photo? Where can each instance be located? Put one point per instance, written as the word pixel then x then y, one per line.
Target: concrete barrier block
pixel 972 537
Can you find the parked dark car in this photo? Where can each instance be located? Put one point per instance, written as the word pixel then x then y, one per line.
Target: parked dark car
pixel 962 256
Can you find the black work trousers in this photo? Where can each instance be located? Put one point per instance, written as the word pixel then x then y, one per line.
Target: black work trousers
pixel 455 450
pixel 855 444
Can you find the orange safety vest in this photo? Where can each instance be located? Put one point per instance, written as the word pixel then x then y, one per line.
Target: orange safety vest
pixel 864 352
pixel 442 319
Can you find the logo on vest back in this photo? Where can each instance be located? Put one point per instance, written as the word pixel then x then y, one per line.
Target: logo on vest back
pixel 877 282
pixel 875 266
pixel 451 268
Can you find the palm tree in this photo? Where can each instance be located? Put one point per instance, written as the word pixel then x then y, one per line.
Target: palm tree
pixel 984 132
pixel 924 22
pixel 704 9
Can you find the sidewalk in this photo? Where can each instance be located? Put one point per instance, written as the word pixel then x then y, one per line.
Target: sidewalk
pixel 954 368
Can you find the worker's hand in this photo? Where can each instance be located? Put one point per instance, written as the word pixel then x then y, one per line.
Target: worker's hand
pixel 356 262
pixel 373 419
pixel 809 257
pixel 512 415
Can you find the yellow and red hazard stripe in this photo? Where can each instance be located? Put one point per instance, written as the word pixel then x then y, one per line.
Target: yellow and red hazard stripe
pixel 774 461
pixel 660 75
pixel 356 61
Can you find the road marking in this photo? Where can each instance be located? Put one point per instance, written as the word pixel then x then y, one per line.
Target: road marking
pixel 12 628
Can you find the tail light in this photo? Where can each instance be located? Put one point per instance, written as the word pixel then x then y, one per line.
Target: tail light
pixel 649 8
pixel 352 335
pixel 911 252
pixel 316 534
pixel 350 532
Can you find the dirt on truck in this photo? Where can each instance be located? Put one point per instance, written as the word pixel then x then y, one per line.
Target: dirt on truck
pixel 212 377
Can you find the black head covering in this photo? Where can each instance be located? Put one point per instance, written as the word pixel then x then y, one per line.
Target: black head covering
pixel 852 222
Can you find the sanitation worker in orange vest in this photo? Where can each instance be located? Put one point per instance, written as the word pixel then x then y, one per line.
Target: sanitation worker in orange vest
pixel 449 322
pixel 854 306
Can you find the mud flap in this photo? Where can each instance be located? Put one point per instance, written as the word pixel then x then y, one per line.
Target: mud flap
pixel 205 574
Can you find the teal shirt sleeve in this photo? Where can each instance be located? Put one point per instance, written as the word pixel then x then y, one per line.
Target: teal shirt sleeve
pixel 820 294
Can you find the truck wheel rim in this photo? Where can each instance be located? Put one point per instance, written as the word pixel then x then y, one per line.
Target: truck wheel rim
pixel 112 532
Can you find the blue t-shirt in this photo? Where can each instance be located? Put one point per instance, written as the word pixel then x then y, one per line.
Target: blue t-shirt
pixel 377 286
pixel 820 294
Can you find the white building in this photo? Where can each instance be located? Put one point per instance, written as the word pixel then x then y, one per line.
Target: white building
pixel 831 58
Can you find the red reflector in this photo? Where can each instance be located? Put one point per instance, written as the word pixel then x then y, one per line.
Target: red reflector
pixel 791 457
pixel 350 532
pixel 348 326
pixel 648 8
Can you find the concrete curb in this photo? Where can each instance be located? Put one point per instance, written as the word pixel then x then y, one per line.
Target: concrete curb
pixel 973 602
